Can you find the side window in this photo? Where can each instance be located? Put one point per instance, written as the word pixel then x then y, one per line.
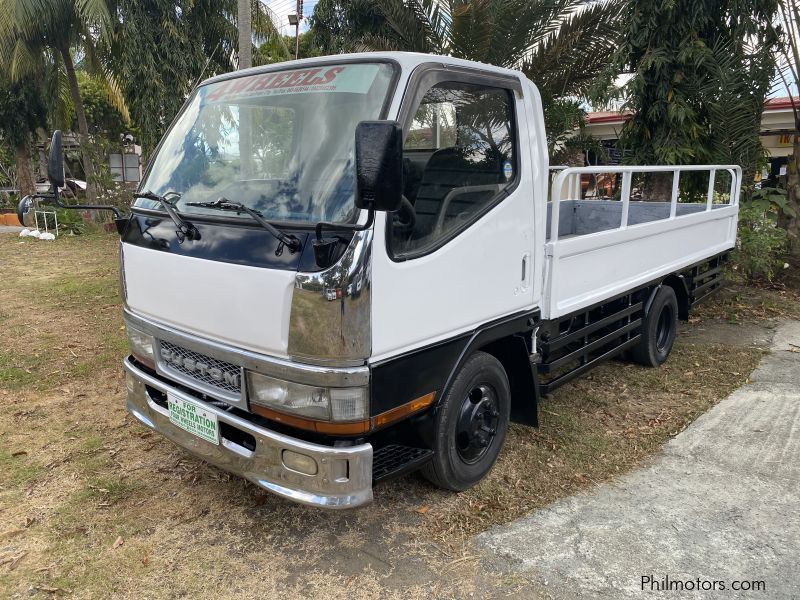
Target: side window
pixel 458 156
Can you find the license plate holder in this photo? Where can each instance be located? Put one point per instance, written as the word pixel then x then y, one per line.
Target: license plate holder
pixel 192 417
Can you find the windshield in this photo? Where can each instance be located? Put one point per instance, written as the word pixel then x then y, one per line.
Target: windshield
pixel 281 143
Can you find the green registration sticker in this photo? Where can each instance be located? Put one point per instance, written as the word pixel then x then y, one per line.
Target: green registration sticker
pixel 193 418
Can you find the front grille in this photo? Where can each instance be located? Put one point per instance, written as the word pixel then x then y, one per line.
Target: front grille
pixel 207 371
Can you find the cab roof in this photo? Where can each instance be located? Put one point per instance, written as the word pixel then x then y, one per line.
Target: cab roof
pixel 408 61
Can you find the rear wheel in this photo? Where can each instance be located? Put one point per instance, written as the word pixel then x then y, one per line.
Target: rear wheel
pixel 659 330
pixel 471 424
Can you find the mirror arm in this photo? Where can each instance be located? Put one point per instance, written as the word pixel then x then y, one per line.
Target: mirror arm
pixel 326 250
pixel 57 200
pixel 344 226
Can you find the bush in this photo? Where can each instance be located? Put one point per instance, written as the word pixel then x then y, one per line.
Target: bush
pixel 762 245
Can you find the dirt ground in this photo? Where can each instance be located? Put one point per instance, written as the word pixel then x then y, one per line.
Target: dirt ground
pixel 93 505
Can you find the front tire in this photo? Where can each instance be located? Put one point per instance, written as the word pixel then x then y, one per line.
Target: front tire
pixel 471 424
pixel 659 329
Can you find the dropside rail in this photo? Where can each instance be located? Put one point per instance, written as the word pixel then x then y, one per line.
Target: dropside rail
pixel 603 247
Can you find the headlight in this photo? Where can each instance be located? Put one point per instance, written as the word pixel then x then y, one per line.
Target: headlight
pixel 312 402
pixel 142 346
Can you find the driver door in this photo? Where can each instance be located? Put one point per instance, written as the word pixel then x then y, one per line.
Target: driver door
pixel 462 258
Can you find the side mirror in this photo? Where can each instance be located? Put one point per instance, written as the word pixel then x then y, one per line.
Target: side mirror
pixel 23 208
pixel 379 165
pixel 55 162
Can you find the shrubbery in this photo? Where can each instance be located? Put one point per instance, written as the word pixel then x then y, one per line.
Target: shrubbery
pixel 762 245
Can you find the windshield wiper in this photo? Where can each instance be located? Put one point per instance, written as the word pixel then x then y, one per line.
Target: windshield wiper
pixel 184 228
pixel 288 240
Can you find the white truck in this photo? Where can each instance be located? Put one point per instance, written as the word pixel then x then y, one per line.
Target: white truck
pixel 345 268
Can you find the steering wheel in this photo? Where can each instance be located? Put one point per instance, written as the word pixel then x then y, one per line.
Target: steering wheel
pixel 405 217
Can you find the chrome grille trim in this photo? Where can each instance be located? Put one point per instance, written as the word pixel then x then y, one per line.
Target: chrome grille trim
pixel 323 376
pixel 229 379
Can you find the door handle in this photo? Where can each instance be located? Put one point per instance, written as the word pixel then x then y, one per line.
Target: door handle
pixel 525 269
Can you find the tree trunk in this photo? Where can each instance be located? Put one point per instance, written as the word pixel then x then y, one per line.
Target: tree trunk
pixel 24 169
pixel 245 34
pixel 657 187
pixel 83 127
pixel 792 223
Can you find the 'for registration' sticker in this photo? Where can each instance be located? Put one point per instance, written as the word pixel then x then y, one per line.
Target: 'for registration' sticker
pixel 193 418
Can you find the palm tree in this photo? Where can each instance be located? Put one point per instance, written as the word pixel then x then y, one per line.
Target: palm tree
pixel 35 36
pixel 561 45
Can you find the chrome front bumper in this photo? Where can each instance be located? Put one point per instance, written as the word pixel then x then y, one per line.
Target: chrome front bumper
pixel 343 478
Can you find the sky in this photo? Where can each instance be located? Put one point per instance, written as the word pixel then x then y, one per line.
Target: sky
pixel 282 10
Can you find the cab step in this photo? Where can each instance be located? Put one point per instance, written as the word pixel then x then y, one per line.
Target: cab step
pixel 394 460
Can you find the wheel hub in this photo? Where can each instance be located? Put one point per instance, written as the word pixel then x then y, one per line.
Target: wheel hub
pixel 477 423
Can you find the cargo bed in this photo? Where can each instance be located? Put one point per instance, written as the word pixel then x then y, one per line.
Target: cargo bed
pixel 599 248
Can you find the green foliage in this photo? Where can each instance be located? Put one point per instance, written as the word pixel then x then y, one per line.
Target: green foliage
pixel 21 110
pixel 70 222
pixel 561 45
pixel 701 72
pixel 281 48
pixel 339 26
pixel 8 169
pixel 102 115
pixel 773 200
pixel 161 49
pixel 97 148
pixel 762 245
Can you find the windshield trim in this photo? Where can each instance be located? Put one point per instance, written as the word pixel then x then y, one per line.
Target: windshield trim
pixel 387 101
pixel 228 220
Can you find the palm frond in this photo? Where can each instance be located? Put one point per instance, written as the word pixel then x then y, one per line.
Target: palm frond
pixel 115 95
pixel 24 61
pixel 94 12
pixel 56 92
pixel 568 60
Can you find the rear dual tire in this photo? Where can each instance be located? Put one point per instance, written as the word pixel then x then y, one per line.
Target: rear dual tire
pixel 659 329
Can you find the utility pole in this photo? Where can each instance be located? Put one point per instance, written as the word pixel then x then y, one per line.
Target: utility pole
pixel 295 20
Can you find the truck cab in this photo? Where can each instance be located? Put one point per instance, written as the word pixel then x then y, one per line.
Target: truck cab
pixel 341 269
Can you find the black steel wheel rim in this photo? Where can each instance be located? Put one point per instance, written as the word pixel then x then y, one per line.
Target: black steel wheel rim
pixel 664 328
pixel 477 423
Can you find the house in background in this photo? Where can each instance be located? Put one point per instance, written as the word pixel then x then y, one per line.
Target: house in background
pixel 777 127
pixel 124 163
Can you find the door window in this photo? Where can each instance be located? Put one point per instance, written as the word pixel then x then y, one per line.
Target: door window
pixel 459 156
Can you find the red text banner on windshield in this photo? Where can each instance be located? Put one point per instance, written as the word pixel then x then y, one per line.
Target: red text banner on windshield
pixel 350 79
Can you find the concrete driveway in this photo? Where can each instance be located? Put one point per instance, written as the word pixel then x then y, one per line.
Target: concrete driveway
pixel 717 510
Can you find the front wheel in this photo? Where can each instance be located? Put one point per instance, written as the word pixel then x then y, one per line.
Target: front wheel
pixel 471 424
pixel 659 329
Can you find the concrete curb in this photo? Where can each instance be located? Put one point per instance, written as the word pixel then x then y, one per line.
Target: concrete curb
pixel 720 503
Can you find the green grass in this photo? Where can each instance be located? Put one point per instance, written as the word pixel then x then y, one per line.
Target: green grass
pixel 83 289
pixel 18 470
pixel 109 488
pixel 93 442
pixel 19 370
